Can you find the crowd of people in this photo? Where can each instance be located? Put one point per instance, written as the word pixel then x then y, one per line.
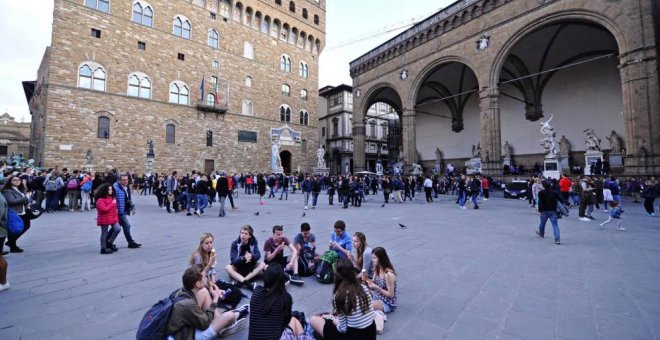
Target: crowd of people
pixel 364 292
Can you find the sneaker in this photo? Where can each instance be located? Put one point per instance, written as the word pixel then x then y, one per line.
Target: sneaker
pixel 106 251
pixel 296 280
pixel 621 229
pixel 4 286
pixel 463 208
pixel 557 242
pixel 242 311
pixel 235 327
pixel 585 219
pixel 15 249
pixel 189 214
pixel 134 245
pixel 305 207
pixel 591 217
pixel 197 213
pixel 604 210
pixel 540 235
pixel 652 214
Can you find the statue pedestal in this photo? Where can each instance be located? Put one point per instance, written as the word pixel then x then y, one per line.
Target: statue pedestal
pixel 321 171
pixel 278 170
pixel 506 161
pixel 473 166
pixel 563 159
pixel 379 168
pixel 552 168
pixel 150 164
pixel 616 161
pixel 591 156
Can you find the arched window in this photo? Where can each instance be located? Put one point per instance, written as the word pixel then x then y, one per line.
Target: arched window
pixel 285 114
pixel 209 138
pixel 292 6
pixel 143 14
pixel 247 107
pixel 278 2
pixel 304 117
pixel 238 12
pixel 285 63
pixel 179 93
pixel 139 85
pixel 103 128
pixel 284 32
pixel 210 99
pixel 91 76
pixel 225 9
pixel 303 94
pixel 247 19
pixel 265 25
pixel 316 19
pixel 101 5
pixel 248 50
pixel 304 13
pixel 304 70
pixel 181 27
pixel 170 134
pixel 317 47
pixel 293 37
pixel 213 38
pixel 248 81
pixel 286 90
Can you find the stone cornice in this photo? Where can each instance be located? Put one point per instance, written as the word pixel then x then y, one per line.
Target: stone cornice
pixel 452 16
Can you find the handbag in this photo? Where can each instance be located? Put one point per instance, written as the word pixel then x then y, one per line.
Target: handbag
pixel 15 224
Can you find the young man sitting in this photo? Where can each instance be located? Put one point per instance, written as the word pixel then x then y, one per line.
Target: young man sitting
pixel 274 253
pixel 244 256
pixel 340 241
pixel 201 320
pixel 306 240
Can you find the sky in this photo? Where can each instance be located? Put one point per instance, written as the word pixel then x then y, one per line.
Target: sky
pixel 353 28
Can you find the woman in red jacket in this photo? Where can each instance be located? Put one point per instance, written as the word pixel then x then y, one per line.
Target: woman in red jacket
pixel 107 218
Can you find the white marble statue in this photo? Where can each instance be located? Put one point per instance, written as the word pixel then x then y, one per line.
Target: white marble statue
pixel 548 142
pixel 592 141
pixel 438 156
pixel 616 143
pixel 320 157
pixel 417 169
pixel 275 160
pixel 476 150
pixel 506 150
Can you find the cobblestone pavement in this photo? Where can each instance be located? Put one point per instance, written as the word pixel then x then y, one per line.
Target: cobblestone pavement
pixel 462 274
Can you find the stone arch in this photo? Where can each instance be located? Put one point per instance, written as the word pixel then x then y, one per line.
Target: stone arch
pixel 380 93
pixel 430 67
pixel 537 23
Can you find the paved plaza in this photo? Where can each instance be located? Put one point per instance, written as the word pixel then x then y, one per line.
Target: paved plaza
pixel 462 274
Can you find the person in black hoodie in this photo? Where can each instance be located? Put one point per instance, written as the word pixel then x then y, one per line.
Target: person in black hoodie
pixel 548 209
pixel 316 190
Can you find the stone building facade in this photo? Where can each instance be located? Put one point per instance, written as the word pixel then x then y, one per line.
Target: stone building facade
pixel 336 130
pixel 14 137
pixel 205 80
pixel 489 71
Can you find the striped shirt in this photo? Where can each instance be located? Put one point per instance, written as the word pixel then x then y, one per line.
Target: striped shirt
pixel 357 319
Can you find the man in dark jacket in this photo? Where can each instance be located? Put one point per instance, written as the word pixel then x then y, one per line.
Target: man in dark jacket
pixel 548 209
pixel 222 186
pixel 244 256
pixel 285 187
pixel 189 321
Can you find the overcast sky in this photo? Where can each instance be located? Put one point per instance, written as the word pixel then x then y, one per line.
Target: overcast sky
pixel 353 28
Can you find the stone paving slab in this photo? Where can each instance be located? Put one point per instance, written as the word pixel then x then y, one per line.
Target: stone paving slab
pixel 463 274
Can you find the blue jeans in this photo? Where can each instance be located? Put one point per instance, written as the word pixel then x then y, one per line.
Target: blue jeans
pixel 51 200
pixel 191 201
pixel 552 215
pixel 315 198
pixel 618 199
pixel 461 199
pixel 285 190
pixel 474 201
pixel 202 202
pixel 126 225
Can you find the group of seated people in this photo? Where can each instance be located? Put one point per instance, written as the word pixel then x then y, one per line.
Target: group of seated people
pixel 364 289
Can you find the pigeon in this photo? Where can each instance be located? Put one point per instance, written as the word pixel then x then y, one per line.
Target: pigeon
pixel 256 214
pixel 383 205
pixel 304 214
pixel 402 226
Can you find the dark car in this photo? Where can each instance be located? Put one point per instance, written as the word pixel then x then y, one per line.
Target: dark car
pixel 515 190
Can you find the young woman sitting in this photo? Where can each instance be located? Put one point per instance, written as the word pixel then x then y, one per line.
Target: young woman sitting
pixel 271 306
pixel 361 256
pixel 353 309
pixel 204 257
pixel 383 285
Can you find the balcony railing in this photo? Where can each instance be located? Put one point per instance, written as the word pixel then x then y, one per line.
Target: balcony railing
pixel 205 106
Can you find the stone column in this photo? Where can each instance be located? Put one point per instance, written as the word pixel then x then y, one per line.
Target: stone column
pixel 491 141
pixel 409 140
pixel 358 144
pixel 641 109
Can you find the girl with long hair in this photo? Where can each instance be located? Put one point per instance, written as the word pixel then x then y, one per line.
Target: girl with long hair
pixel 205 256
pixel 107 217
pixel 361 255
pixel 383 286
pixel 17 198
pixel 271 315
pixel 353 308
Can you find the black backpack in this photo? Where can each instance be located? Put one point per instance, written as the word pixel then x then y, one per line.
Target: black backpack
pixel 306 264
pixel 231 300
